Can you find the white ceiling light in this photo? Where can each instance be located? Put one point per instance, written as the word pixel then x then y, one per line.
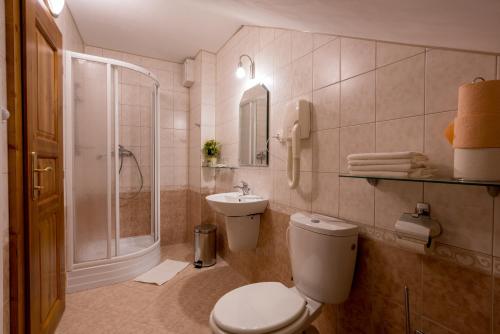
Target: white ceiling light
pixel 55 6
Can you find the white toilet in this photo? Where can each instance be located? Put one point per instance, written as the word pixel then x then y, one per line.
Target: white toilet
pixel 323 254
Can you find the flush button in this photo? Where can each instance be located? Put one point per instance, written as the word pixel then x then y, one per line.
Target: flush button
pixel 315 221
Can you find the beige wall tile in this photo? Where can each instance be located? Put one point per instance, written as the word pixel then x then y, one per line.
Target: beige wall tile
pixel 265 73
pixel 306 154
pixel 261 182
pixel 437 147
pixel 302 44
pixel 457 298
pixel 4 203
pixel 356 200
pixel 326 64
pixel 405 134
pixel 300 197
pixel 447 70
pixel 283 84
pixel 388 53
pixel 181 119
pixel 281 189
pixel 325 193
pixel 322 39
pixel 357 100
pixel 283 55
pixel 465 214
pixel 393 199
pixel 3 147
pixel 326 150
pixel 166 100
pixel 181 102
pixel 496 232
pixel 93 50
pixel 400 89
pixel 326 113
pixel 302 76
pixel 356 139
pixel 266 36
pixel 358 56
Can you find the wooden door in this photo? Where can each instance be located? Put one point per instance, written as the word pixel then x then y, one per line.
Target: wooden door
pixel 43 136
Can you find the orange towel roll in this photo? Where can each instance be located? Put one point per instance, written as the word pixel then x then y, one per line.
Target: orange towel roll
pixel 480 97
pixel 477 124
pixel 477 131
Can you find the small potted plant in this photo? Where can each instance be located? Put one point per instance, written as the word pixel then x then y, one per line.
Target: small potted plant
pixel 211 150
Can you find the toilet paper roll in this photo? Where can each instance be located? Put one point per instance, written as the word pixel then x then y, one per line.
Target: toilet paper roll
pixel 411 246
pixel 477 164
pixel 479 97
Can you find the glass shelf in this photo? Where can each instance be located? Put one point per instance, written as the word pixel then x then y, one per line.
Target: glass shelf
pixel 221 167
pixel 493 187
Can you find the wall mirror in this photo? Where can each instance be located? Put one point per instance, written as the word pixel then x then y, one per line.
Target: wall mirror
pixel 254 126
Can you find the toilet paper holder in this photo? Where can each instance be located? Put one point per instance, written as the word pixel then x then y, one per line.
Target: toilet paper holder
pixel 418 227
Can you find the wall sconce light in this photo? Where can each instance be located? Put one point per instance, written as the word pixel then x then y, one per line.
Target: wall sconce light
pixel 55 6
pixel 240 71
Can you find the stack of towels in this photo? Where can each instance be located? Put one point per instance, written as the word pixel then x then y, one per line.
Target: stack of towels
pixel 393 164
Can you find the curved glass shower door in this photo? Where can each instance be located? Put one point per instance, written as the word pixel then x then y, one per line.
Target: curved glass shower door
pixel 136 160
pixel 111 161
pixel 93 177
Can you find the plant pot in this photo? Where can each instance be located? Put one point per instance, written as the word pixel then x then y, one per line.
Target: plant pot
pixel 212 161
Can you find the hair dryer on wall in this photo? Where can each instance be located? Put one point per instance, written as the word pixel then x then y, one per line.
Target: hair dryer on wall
pixel 296 126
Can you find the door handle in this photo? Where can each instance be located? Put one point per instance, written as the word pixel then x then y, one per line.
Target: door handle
pixel 34 175
pixel 43 170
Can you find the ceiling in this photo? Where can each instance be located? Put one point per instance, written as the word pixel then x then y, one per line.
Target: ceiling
pixel 176 29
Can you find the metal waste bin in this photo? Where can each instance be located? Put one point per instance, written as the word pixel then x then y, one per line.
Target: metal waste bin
pixel 205 245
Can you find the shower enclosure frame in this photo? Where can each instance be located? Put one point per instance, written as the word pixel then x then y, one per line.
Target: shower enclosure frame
pixel 117 268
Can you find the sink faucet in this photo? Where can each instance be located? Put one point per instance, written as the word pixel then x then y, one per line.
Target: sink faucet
pixel 244 188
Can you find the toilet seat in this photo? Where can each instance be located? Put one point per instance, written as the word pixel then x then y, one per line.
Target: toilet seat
pixel 259 308
pixel 295 327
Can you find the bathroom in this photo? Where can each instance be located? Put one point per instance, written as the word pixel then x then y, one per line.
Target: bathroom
pixel 162 108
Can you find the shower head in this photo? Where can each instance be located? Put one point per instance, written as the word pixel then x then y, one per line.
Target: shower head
pixel 123 152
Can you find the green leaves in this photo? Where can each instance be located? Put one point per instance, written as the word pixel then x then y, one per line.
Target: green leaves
pixel 211 148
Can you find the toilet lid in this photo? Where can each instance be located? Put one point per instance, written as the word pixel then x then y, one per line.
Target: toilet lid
pixel 258 308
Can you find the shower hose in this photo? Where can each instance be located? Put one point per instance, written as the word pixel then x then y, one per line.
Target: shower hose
pixel 123 152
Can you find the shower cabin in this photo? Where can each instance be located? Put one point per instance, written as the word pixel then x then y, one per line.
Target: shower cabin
pixel 111 170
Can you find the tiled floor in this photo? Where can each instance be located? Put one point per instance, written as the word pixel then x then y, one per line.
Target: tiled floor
pixel 179 306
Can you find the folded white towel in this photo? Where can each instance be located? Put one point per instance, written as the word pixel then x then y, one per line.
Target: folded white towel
pixel 385 155
pixel 415 162
pixel 416 173
pixel 383 168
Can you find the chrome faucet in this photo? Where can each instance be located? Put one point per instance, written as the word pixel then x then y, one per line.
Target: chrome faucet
pixel 245 189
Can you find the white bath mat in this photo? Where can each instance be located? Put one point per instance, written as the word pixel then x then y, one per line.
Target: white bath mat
pixel 162 273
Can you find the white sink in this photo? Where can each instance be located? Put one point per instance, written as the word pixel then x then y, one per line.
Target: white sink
pixel 236 205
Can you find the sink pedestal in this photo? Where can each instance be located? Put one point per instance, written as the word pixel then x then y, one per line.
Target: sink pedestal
pixel 243 232
pixel 242 214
